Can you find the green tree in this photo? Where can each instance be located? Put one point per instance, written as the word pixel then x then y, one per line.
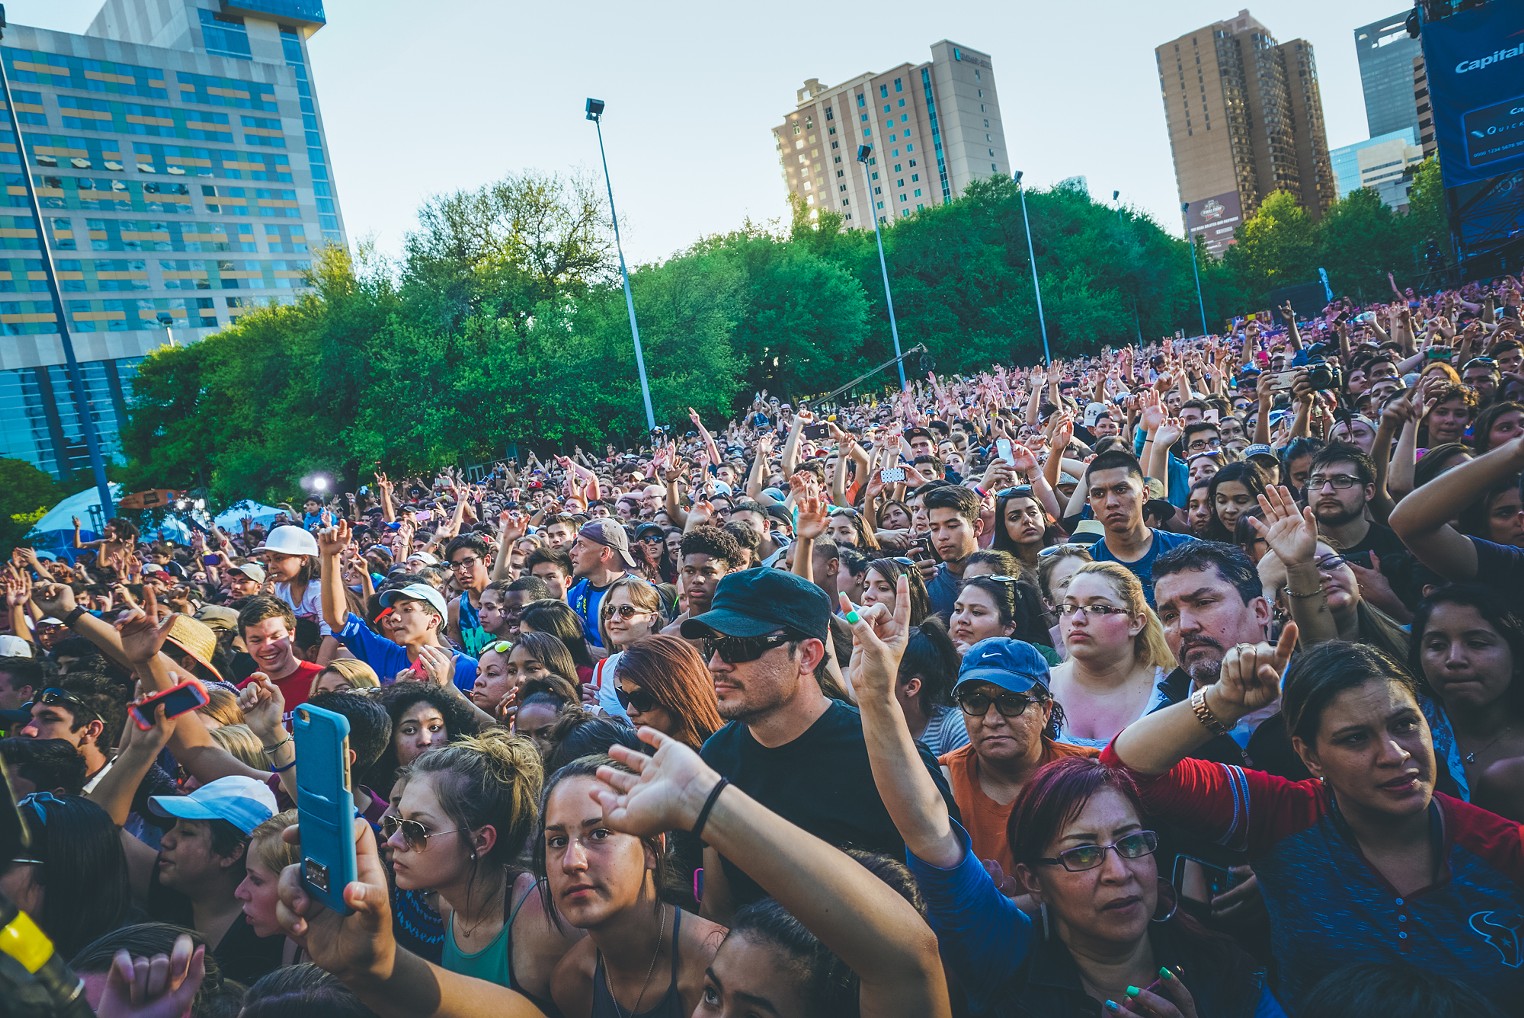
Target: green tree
pixel 1357 228
pixel 26 493
pixel 1276 246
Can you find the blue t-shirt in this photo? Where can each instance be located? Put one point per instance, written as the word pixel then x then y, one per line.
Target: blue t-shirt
pixel 942 591
pixel 388 658
pixel 1179 472
pixel 584 599
pixel 1143 568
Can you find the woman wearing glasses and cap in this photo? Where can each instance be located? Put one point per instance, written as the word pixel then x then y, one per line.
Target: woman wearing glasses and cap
pixel 1106 932
pixel 465 816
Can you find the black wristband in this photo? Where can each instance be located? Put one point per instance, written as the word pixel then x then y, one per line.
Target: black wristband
pixel 74 615
pixel 703 817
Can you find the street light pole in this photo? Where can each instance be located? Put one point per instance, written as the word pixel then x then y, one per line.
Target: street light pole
pixel 1137 320
pixel 863 151
pixel 82 408
pixel 1185 207
pixel 594 111
pixel 1042 322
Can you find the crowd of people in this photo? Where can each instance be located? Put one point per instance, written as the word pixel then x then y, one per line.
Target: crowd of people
pixel 1183 681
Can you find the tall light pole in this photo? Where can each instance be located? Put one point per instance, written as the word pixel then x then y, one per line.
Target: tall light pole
pixel 76 378
pixel 1137 321
pixel 169 328
pixel 863 152
pixel 594 111
pixel 1042 322
pixel 1185 208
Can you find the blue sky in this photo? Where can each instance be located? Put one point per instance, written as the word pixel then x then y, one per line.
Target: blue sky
pixel 438 95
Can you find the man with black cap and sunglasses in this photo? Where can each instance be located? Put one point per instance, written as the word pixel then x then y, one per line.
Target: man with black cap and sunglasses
pixel 787 745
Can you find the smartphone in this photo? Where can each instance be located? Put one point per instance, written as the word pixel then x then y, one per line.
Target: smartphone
pixel 1199 881
pixel 1437 353
pixel 1278 381
pixel 1003 448
pixel 816 431
pixel 892 475
pixel 210 560
pixel 177 700
pixel 325 803
pixel 423 516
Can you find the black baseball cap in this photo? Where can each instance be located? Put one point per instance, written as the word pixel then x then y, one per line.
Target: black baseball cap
pixel 756 602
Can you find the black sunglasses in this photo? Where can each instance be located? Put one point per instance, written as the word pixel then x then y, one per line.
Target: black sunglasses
pixel 641 700
pixel 737 650
pixel 1019 491
pixel 1010 705
pixel 53 695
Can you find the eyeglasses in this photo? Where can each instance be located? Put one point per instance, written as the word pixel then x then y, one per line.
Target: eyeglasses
pixel 1019 491
pixel 1340 482
pixel 641 701
pixel 737 650
pixel 1329 564
pixel 1100 611
pixel 464 563
pixel 1202 444
pixel 627 611
pixel 1010 705
pixel 414 834
pixel 500 647
pixel 54 695
pixel 1088 857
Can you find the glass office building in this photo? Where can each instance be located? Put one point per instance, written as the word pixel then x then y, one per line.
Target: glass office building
pixel 178 151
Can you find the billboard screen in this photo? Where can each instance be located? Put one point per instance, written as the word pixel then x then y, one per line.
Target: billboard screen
pixel 1214 219
pixel 1475 66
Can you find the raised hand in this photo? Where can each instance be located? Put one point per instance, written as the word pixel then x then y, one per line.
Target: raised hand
pixel 438 665
pixel 878 642
pixel 161 986
pixel 1169 432
pixel 1024 460
pixel 665 793
pixel 514 524
pixel 263 706
pixel 357 945
pixel 141 633
pixel 508 707
pixel 333 540
pixel 1251 676
pixel 1291 533
pixel 811 518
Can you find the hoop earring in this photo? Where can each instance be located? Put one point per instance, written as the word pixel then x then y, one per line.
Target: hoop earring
pixel 1167 894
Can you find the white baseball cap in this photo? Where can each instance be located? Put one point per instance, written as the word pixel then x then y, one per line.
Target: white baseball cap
pixel 242 801
pixel 14 646
pixel 415 592
pixel 289 541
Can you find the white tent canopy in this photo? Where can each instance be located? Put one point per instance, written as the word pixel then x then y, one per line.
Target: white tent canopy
pixel 60 517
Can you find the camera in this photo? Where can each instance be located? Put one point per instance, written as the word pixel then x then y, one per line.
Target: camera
pixel 1322 375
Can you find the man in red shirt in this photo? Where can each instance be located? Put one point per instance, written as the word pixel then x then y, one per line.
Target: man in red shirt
pixel 269 633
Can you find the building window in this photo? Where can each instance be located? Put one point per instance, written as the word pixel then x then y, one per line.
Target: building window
pixel 904 118
pixel 830 115
pixel 910 148
pixel 895 154
pixel 914 177
pixel 918 192
pixel 860 100
pixel 896 167
pixel 899 86
pixel 865 118
pixel 883 91
pixel 902 102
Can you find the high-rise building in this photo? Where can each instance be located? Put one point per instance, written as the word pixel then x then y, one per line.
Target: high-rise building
pixel 1245 118
pixel 184 176
pixel 1382 164
pixel 934 127
pixel 1386 53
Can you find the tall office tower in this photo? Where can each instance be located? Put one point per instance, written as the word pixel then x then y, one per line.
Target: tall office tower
pixel 1245 118
pixel 184 177
pixel 934 127
pixel 1386 53
pixel 1425 107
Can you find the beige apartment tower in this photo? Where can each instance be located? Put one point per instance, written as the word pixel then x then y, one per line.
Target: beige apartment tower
pixel 934 128
pixel 1245 118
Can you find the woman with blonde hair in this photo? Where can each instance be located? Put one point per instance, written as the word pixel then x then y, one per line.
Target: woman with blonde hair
pixel 268 853
pixel 343 674
pixel 630 611
pixel 1117 656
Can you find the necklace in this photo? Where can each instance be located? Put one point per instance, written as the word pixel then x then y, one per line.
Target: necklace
pixel 660 933
pixel 1471 756
pixel 471 931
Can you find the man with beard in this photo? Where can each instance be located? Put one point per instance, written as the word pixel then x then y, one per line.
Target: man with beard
pixel 1340 487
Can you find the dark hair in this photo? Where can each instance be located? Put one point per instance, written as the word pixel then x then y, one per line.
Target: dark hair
pixel 51 765
pixel 83 872
pixel 1196 426
pixel 469 542
pixel 930 656
pixel 716 542
pixel 548 648
pixel 1002 539
pixel 24 671
pixel 1005 563
pixel 1115 459
pixel 1437 460
pixel 551 556
pixel 1296 449
pixel 1245 473
pixel 400 697
pixel 1319 675
pixel 105 697
pixel 891 571
pixel 579 732
pixel 1003 594
pixel 672 671
pixel 370 727
pixel 553 617
pixel 261 607
pixel 955 497
pixel 1495 611
pixel 1345 452
pixel 536 588
pixel 302 991
pixel 1232 565
pixel 1380 989
pixel 144 940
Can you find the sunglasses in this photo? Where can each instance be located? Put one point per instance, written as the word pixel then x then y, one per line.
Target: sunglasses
pixel 641 701
pixel 54 695
pixel 1088 857
pixel 1019 491
pixel 841 510
pixel 627 611
pixel 1010 705
pixel 414 834
pixel 737 650
pixel 500 647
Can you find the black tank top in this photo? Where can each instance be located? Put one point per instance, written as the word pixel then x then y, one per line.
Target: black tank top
pixel 669 1006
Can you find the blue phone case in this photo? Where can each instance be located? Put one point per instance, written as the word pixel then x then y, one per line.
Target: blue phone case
pixel 325 803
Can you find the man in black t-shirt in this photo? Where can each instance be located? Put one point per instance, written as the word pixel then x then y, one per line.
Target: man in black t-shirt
pixel 788 745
